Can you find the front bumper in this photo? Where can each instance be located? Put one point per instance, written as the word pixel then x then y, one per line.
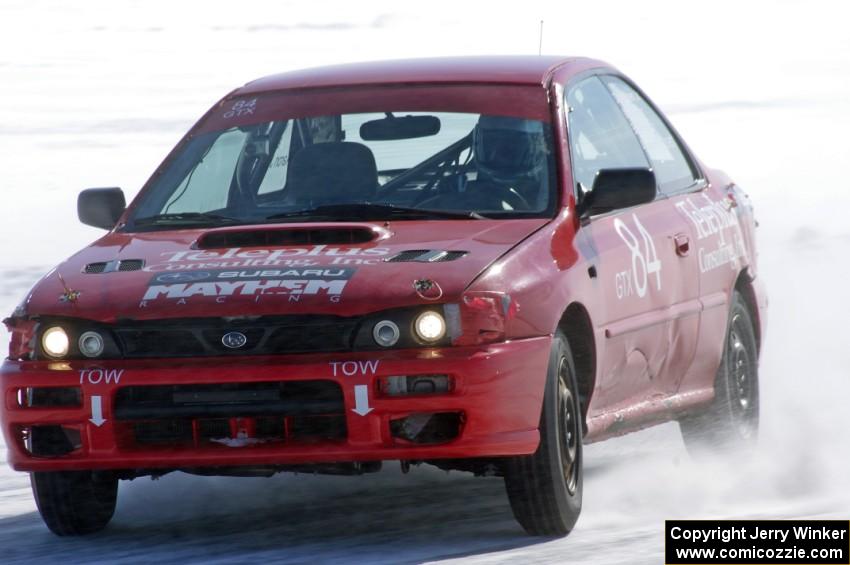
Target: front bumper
pixel 498 394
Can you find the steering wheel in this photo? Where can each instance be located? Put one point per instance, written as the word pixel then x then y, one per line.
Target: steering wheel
pixel 492 197
pixel 513 198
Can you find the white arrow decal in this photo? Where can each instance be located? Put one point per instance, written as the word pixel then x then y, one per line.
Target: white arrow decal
pixel 96 411
pixel 361 400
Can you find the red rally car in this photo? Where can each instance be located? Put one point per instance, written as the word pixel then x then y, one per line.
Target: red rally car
pixel 477 263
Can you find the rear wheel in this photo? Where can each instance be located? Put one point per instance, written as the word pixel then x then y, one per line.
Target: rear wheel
pixel 732 420
pixel 545 489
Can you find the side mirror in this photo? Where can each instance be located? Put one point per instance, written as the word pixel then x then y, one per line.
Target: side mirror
pixel 619 188
pixel 101 207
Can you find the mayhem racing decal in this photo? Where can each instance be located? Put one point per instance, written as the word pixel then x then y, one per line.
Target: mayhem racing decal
pixel 716 219
pixel 219 285
pixel 236 257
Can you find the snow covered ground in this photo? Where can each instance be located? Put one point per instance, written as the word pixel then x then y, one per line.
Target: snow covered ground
pixel 95 94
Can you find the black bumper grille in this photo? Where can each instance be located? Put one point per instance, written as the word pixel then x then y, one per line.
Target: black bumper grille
pixel 196 415
pixel 295 398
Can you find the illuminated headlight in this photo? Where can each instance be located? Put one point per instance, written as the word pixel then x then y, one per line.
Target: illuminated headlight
pixel 430 326
pixel 91 344
pixel 386 333
pixel 54 342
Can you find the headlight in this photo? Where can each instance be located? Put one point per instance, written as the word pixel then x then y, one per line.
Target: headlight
pixel 55 342
pixel 386 333
pixel 430 326
pixel 91 344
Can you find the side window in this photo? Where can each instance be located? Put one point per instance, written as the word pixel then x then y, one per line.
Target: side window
pixel 207 186
pixel 672 170
pixel 600 135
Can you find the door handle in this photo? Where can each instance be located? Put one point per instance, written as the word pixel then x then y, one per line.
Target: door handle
pixel 683 244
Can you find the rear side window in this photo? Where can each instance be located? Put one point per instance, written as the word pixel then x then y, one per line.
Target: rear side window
pixel 672 169
pixel 600 135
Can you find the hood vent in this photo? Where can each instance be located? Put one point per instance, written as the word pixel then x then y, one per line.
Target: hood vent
pixel 131 265
pixel 112 266
pixel 284 237
pixel 94 268
pixel 426 256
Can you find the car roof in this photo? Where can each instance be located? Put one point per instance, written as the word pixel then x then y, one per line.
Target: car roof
pixel 511 69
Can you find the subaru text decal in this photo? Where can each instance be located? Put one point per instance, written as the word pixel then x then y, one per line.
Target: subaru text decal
pixel 218 285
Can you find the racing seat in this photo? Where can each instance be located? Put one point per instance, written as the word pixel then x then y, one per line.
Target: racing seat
pixel 335 172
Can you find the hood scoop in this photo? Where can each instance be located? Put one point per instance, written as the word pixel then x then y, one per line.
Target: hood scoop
pixel 122 265
pixel 425 256
pixel 281 237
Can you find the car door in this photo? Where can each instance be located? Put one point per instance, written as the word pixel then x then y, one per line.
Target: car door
pixel 680 181
pixel 643 277
pixel 718 242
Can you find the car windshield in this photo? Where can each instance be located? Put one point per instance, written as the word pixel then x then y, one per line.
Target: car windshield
pixel 358 166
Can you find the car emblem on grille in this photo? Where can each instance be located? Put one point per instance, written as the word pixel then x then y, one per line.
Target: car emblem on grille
pixel 234 340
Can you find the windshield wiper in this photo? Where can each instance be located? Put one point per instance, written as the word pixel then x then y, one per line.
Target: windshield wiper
pixel 186 218
pixel 367 211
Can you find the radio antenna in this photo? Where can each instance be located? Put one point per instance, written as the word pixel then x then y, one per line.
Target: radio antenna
pixel 540 45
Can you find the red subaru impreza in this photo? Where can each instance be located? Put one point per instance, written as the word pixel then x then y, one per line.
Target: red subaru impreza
pixel 476 263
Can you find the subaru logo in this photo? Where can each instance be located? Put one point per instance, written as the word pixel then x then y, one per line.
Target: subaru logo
pixel 234 340
pixel 191 276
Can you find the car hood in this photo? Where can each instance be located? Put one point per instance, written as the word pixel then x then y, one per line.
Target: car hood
pixel 343 269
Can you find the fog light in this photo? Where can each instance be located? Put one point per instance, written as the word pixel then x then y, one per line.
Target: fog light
pixel 91 344
pixel 430 326
pixel 418 384
pixel 55 342
pixel 386 333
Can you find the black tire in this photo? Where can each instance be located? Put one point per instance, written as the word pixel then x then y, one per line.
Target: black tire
pixel 75 503
pixel 545 489
pixel 732 419
pixel 71 503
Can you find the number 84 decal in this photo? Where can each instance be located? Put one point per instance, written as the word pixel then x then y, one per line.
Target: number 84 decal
pixel 645 261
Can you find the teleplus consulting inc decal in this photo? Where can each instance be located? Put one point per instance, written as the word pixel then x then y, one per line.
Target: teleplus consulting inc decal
pixel 291 272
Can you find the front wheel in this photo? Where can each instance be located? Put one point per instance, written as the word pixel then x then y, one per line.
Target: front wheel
pixel 75 503
pixel 732 420
pixel 545 488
